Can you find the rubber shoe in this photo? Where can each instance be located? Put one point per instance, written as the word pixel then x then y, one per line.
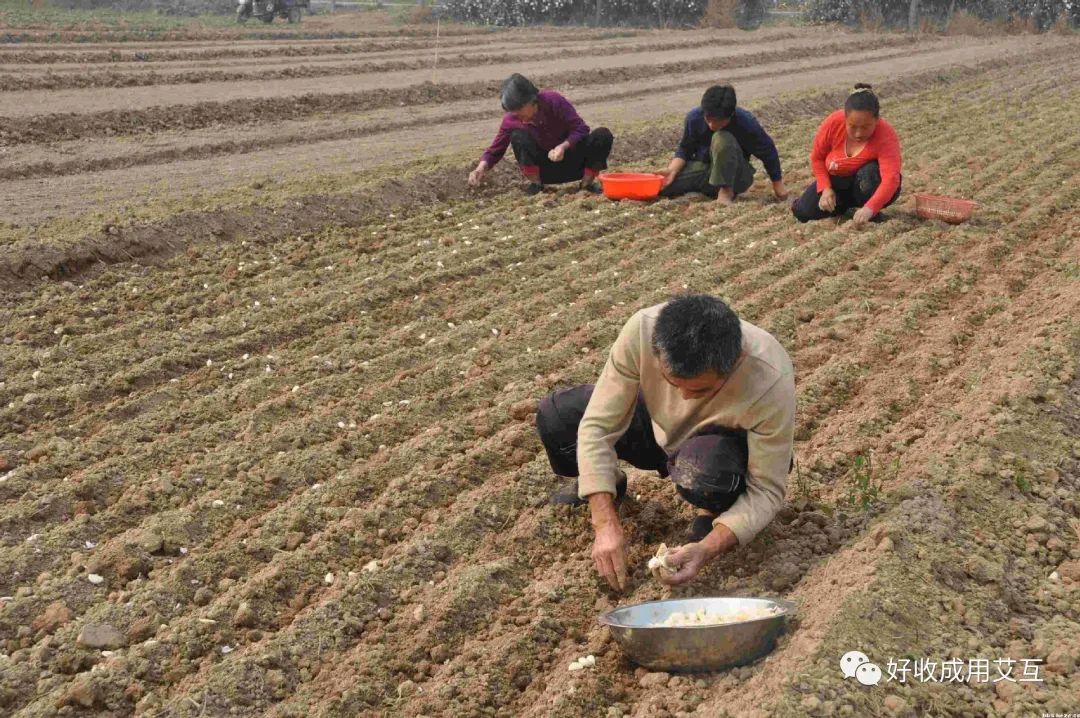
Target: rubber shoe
pixel 593 188
pixel 567 495
pixel 699 528
pixel 534 189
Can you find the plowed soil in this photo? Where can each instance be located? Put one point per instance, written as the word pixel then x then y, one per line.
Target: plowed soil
pixel 271 377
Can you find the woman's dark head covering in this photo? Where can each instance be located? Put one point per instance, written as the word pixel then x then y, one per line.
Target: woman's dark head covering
pixel 517 92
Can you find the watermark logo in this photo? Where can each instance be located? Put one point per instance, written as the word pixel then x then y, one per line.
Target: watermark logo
pixel 868 674
pixel 850 662
pixel 857 665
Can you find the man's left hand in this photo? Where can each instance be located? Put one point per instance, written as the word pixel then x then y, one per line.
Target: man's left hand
pixel 557 153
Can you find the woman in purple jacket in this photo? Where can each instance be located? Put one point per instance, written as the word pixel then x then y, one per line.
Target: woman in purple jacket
pixel 551 142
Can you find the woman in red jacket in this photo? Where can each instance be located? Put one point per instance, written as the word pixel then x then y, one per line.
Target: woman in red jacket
pixel 856 163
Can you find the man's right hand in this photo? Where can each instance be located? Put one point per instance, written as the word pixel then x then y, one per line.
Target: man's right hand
pixel 477 175
pixel 609 545
pixel 827 203
pixel 669 177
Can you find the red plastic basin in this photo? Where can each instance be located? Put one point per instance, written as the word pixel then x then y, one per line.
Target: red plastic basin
pixel 631 185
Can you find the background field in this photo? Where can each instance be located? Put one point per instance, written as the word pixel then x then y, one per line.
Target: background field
pixel 276 385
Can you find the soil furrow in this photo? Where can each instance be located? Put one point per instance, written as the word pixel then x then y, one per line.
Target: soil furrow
pixel 10 82
pixel 42 128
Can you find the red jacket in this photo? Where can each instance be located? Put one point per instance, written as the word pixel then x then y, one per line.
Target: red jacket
pixel 828 158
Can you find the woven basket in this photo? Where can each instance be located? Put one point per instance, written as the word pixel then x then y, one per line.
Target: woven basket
pixel 947 209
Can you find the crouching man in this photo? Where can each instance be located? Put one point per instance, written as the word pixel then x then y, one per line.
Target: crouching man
pixel 694 393
pixel 713 156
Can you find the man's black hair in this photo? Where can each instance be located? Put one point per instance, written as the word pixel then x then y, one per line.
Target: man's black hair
pixel 517 92
pixel 695 333
pixel 862 99
pixel 719 102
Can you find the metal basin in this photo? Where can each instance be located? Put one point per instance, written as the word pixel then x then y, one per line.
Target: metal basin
pixel 696 648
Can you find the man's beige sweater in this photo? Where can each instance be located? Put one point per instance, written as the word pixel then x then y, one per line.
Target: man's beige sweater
pixel 758 397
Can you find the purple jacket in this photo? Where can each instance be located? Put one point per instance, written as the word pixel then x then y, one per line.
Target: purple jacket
pixel 555 122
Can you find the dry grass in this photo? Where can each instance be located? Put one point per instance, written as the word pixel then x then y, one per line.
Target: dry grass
pixel 1021 26
pixel 872 21
pixel 964 23
pixel 421 14
pixel 720 13
pixel 1062 26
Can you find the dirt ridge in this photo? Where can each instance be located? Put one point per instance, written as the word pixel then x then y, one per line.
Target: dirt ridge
pixel 127 56
pixel 68 126
pixel 12 82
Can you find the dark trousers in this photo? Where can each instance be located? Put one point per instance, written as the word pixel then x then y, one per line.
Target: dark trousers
pixel 851 193
pixel 586 157
pixel 557 422
pixel 728 166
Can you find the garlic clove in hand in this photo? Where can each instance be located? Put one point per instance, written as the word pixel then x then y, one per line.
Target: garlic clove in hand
pixel 658 564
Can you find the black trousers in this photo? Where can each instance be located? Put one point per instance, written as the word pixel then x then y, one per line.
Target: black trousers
pixel 590 155
pixel 713 485
pixel 851 192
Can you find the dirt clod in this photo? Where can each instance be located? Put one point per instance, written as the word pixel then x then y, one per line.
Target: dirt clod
pixel 1036 523
pixel 82 693
pixel 1062 660
pixel 522 409
pixel 654 680
pixel 143 629
pixel 55 615
pixel 1069 570
pixel 101 635
pixel 895 704
pixel 151 542
pixel 292 540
